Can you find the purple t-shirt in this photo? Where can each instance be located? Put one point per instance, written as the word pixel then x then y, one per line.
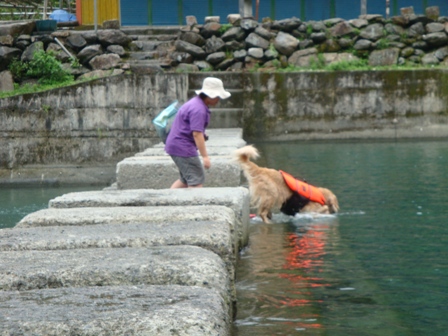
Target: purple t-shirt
pixel 194 115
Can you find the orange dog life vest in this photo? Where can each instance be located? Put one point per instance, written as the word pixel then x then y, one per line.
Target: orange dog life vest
pixel 304 189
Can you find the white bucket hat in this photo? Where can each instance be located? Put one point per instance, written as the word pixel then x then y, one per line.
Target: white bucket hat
pixel 213 88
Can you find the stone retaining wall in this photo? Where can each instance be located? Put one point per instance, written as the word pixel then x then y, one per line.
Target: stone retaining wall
pixel 108 119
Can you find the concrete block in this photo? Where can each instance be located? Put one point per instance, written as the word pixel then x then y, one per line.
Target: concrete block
pixel 163 265
pixel 118 310
pixel 159 172
pixel 212 228
pixel 236 199
pixel 213 235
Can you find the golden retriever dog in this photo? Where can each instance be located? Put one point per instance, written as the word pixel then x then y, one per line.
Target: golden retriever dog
pixel 269 190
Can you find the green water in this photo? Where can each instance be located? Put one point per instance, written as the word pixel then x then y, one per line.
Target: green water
pixel 17 202
pixel 379 267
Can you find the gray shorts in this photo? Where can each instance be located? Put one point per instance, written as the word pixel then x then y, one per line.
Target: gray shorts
pixel 190 169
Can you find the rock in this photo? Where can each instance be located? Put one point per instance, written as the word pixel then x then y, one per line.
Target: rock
pixel 432 12
pixel 105 62
pixel 190 48
pixel 86 54
pixel 240 54
pixel 363 45
pixel 235 45
pixel 394 29
pixel 234 33
pixel 78 71
pixel 191 20
pixel 116 49
pixel 264 33
pixel 407 11
pixel 373 32
pixel 342 29
pixel 254 40
pixel 286 25
pixel 182 57
pixel 271 54
pixel 430 59
pixel 384 57
pixel 436 39
pixel 16 29
pixel 193 38
pixel 301 57
pixel 248 25
pixel 6 81
pixel 7 40
pixel 77 42
pixel 211 29
pixel 318 37
pixel 29 52
pixel 305 44
pixel 257 53
pixel 285 43
pixel 214 44
pixel 111 24
pixel 441 53
pixel 224 65
pixel 317 26
pixel 330 46
pixel 234 19
pixel 7 54
pixel 416 29
pixel 407 52
pixel 332 22
pixel 358 23
pixel 216 57
pixel 434 27
pixel 237 66
pixel 420 45
pixel 209 19
pixel 203 65
pixel 113 36
pixel 90 36
pixel 345 43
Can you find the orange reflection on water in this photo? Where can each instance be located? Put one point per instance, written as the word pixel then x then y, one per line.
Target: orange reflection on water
pixel 306 257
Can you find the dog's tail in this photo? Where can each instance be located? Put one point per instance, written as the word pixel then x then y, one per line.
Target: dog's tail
pixel 245 154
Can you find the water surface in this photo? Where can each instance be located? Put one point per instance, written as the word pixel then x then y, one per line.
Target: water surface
pixel 17 202
pixel 377 268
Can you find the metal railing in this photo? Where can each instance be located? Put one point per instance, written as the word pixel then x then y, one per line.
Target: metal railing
pixel 21 12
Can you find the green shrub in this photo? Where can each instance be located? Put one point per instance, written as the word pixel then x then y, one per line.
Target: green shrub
pixel 18 69
pixel 225 27
pixel 47 69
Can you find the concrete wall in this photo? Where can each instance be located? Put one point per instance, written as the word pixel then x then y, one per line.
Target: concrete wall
pixel 108 119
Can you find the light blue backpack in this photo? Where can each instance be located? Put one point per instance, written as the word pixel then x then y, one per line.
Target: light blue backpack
pixel 163 121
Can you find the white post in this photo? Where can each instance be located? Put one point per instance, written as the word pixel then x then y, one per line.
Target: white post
pixel 363 7
pixel 95 15
pixel 44 16
pixel 245 8
pixel 387 9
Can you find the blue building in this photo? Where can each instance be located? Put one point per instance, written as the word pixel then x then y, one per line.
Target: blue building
pixel 173 12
